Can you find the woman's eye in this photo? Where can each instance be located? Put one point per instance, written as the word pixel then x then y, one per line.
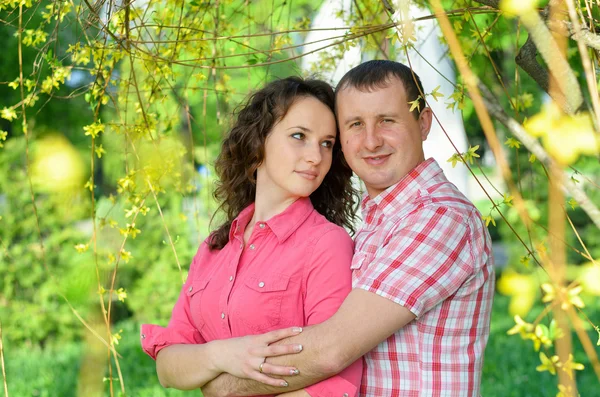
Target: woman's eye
pixel 327 144
pixel 298 135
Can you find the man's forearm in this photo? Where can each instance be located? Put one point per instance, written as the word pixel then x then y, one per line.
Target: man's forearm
pixel 312 370
pixel 363 321
pixel 226 385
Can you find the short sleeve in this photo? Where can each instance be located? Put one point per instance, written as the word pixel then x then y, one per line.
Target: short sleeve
pixel 180 329
pixel 423 261
pixel 328 281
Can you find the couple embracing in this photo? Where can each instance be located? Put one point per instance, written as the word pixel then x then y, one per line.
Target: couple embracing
pixel 280 300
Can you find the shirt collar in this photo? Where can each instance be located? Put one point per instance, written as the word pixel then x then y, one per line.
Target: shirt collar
pixel 282 224
pixel 391 199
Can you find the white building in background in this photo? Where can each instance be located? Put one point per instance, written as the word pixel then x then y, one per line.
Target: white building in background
pixel 428 51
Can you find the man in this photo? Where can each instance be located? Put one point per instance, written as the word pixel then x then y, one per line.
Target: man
pixel 423 269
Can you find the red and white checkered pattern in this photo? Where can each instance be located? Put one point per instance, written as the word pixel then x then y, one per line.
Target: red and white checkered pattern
pixel 424 246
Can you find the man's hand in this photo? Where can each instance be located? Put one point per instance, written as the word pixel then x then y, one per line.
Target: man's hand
pixel 245 357
pixel 363 321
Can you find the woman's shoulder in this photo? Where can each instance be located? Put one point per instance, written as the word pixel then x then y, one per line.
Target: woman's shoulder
pixel 324 231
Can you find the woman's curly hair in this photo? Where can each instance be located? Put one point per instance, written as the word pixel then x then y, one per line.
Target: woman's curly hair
pixel 243 151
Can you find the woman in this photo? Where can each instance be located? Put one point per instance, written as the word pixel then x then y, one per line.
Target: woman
pixel 281 259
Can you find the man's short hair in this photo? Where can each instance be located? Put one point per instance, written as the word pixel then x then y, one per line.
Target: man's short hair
pixel 378 74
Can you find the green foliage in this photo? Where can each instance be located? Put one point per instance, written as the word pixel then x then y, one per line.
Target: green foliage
pixel 508 371
pixel 30 305
pixel 101 201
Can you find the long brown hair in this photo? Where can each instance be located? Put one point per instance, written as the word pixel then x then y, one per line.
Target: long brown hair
pixel 243 150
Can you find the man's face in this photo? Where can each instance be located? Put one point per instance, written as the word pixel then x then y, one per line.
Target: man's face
pixel 382 141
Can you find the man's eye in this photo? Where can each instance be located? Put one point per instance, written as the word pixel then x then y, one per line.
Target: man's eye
pixel 355 124
pixel 388 120
pixel 297 135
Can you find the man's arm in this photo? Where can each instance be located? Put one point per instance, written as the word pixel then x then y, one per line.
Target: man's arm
pixel 415 271
pixel 362 322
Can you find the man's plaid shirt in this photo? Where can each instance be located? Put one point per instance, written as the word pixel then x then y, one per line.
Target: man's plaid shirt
pixel 424 246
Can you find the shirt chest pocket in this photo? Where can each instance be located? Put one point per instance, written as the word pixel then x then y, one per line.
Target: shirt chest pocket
pixel 260 300
pixel 195 292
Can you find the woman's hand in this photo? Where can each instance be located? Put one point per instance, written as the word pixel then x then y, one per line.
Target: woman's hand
pixel 245 357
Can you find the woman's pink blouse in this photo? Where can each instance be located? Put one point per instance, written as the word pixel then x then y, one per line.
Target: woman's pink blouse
pixel 294 271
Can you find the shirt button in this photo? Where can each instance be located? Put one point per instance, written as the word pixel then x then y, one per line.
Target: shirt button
pixel 261 225
pixel 222 315
pixel 345 395
pixel 252 246
pixel 261 284
pixel 190 289
pixel 230 278
pixel 143 336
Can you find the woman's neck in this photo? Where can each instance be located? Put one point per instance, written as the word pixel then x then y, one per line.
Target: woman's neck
pixel 266 206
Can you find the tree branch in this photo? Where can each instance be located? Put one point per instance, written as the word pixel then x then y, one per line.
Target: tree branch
pixel 526 59
pixel 588 38
pixel 568 95
pixel 536 148
pixel 490 3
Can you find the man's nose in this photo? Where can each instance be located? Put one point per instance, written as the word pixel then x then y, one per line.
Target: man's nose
pixel 373 139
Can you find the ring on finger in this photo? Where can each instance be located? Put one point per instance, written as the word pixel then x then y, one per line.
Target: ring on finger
pixel 260 367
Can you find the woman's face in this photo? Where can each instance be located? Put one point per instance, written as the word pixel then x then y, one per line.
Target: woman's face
pixel 298 151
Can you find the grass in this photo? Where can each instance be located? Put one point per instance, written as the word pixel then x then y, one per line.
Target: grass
pixel 509 367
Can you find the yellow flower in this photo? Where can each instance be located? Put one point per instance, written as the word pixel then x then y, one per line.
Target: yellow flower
pixel 564 391
pixel 549 293
pixel 518 7
pixel 588 278
pixel 8 114
pixel 573 298
pixel 539 337
pixel 520 327
pixel 521 288
pixel 121 294
pixel 82 247
pixel 565 137
pixel 548 364
pixel 568 296
pixel 570 365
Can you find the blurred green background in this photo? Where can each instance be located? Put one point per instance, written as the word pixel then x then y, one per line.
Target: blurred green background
pixel 89 219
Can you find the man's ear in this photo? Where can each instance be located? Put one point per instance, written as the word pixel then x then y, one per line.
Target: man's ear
pixel 425 119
